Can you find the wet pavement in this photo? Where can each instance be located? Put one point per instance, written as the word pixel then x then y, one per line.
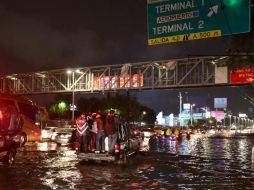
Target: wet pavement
pixel 198 163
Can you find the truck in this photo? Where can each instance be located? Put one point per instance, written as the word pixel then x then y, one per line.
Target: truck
pixel 128 143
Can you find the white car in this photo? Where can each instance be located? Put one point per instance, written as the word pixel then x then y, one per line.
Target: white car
pixel 63 136
pixel 233 130
pixel 147 133
pixel 247 130
pixel 47 133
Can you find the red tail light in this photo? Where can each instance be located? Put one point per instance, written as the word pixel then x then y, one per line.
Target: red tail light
pixel 1 115
pixel 117 148
pixel 36 134
pixel 76 146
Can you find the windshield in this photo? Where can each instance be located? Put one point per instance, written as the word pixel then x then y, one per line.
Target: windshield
pixel 64 130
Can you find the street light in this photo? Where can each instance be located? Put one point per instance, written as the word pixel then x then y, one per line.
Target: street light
pixel 69 72
pixel 142 116
pixel 191 107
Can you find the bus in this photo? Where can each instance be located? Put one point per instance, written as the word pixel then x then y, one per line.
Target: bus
pixel 28 111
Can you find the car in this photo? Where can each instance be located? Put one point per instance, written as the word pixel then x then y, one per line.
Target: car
pixel 47 133
pixel 248 130
pixel 128 143
pixel 233 130
pixel 64 136
pixel 147 133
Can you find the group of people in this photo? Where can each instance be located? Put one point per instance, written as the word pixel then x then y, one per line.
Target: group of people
pixel 92 129
pixel 176 133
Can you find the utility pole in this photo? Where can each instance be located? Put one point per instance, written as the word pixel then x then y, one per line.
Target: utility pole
pixel 73 98
pixel 73 110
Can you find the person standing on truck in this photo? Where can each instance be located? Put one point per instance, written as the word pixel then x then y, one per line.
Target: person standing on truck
pixel 100 138
pixel 111 131
pixel 93 133
pixel 82 133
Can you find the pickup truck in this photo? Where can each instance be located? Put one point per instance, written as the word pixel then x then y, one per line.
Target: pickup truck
pixel 127 144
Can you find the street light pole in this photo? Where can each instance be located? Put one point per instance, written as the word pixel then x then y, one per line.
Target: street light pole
pixel 73 97
pixel 191 106
pixel 229 121
pixel 72 117
pixel 143 113
pixel 70 85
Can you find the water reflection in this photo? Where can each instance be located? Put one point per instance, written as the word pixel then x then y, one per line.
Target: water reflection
pixel 218 162
pixel 179 147
pixel 61 168
pixel 197 163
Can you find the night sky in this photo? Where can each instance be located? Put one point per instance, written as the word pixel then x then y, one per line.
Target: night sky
pixel 54 34
pixel 38 35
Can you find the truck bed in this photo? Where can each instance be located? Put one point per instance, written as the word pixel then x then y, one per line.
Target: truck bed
pixel 95 156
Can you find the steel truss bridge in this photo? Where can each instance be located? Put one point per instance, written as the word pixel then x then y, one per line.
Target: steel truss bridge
pixel 166 74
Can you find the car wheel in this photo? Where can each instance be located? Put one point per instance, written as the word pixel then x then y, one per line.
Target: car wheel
pixel 23 139
pixel 10 157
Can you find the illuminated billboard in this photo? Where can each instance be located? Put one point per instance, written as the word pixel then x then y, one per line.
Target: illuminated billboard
pixel 114 82
pixel 186 106
pixel 244 75
pixel 220 103
pixel 218 115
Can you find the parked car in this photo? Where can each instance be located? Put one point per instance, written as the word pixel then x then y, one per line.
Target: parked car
pixel 128 143
pixel 64 136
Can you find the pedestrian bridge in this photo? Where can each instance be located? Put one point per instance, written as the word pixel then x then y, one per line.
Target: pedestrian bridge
pixel 165 74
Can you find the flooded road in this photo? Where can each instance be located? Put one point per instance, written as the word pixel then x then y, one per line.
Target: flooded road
pixel 198 163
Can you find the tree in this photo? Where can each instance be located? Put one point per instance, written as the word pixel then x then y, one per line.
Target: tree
pixel 127 106
pixel 147 115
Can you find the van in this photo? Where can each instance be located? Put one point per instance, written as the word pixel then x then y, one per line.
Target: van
pixel 28 112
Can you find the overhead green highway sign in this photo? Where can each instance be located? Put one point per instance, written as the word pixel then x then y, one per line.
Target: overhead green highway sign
pixel 182 20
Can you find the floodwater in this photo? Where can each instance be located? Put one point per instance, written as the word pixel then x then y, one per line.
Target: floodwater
pixel 198 163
